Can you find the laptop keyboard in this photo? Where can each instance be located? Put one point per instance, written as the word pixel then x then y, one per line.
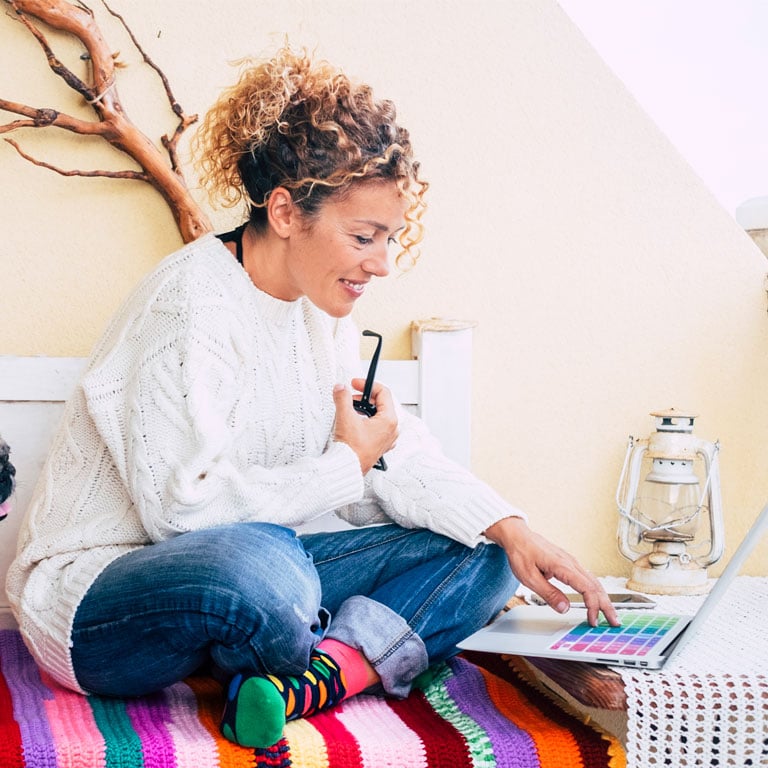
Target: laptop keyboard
pixel 637 635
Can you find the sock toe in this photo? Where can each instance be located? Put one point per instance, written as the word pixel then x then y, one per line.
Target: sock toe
pixel 254 715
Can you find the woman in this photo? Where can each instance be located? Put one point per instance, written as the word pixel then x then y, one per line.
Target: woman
pixel 216 412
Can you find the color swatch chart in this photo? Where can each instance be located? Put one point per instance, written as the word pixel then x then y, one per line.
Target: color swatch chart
pixel 635 637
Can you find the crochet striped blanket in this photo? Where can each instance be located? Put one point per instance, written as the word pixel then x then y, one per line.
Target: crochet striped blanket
pixel 466 716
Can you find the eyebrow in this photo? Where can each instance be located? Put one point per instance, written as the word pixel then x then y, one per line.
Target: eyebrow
pixel 378 225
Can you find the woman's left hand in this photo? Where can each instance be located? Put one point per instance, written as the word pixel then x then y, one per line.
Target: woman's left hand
pixel 535 561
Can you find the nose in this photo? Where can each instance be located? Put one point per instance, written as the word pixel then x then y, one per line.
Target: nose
pixel 377 262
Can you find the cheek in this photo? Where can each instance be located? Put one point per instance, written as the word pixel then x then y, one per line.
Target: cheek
pixel 341 262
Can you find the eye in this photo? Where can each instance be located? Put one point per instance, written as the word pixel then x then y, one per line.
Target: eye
pixel 363 240
pixel 391 240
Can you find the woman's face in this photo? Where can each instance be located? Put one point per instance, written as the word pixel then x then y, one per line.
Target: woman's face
pixel 331 258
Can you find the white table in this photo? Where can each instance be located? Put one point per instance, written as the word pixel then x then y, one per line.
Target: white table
pixel 709 705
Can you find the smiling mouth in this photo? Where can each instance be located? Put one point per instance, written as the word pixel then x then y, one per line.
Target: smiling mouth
pixel 353 286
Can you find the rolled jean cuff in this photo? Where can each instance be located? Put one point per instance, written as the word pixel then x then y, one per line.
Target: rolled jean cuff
pixel 394 650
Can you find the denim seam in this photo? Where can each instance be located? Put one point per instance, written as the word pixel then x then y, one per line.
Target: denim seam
pixel 160 609
pixel 394 646
pixel 472 554
pixel 400 641
pixel 375 545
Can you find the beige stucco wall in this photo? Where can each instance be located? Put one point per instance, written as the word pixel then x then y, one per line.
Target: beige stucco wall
pixel 605 279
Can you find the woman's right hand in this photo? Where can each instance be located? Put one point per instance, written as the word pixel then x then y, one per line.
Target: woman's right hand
pixel 369 438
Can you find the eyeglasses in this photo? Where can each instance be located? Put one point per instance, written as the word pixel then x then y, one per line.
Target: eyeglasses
pixel 364 404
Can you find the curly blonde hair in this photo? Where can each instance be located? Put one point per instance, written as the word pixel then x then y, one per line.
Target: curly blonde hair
pixel 305 126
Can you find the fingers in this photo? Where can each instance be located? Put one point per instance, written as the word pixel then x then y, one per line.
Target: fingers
pixel 381 397
pixel 535 561
pixel 548 592
pixel 567 570
pixel 369 438
pixel 570 572
pixel 595 598
pixel 342 400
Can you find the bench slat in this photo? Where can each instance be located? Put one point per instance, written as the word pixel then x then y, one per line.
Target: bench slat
pixel 38 379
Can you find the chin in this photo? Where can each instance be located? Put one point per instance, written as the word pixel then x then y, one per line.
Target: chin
pixel 337 310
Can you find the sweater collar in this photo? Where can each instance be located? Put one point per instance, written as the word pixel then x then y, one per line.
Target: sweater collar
pixel 281 313
pixel 277 311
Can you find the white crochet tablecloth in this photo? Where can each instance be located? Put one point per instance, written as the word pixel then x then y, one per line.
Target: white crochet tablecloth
pixel 709 705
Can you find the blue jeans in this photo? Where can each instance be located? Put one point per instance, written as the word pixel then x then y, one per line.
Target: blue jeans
pixel 255 597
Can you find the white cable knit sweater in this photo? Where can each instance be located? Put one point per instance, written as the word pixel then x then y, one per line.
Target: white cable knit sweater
pixel 207 402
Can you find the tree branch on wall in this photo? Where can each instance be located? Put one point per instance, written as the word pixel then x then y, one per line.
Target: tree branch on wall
pixel 158 168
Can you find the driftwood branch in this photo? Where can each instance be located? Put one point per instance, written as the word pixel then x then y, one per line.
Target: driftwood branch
pixel 160 169
pixel 169 142
pixel 42 118
pixel 135 175
pixel 69 77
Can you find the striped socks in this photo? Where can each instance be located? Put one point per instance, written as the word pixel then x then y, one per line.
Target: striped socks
pixel 257 708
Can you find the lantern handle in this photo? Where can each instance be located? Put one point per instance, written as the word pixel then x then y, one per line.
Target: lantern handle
pixel 619 500
pixel 716 525
pixel 629 488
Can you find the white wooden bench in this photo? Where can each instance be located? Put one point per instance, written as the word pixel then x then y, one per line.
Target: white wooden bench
pixel 42 718
pixel 436 385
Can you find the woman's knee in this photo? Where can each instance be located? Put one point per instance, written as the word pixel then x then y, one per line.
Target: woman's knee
pixel 499 583
pixel 263 565
pixel 267 597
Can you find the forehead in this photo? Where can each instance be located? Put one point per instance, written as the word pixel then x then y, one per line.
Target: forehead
pixel 380 203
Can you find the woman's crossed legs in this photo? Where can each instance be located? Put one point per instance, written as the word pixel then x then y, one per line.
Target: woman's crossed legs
pixel 257 600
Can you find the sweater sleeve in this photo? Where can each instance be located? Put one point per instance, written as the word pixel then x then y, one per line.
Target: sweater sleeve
pixel 423 488
pixel 164 401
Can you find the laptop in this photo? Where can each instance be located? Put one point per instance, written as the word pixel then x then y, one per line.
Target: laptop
pixel 645 639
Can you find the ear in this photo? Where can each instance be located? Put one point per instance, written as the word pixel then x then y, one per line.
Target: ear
pixel 281 212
